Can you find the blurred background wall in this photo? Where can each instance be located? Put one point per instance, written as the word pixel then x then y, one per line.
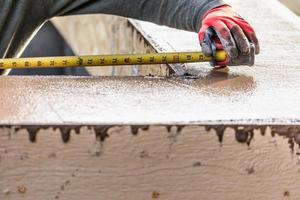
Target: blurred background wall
pixel 105 34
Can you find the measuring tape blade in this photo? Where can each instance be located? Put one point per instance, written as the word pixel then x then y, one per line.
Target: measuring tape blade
pixel 108 60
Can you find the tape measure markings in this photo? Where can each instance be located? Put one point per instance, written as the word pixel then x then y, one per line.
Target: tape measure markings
pixel 108 60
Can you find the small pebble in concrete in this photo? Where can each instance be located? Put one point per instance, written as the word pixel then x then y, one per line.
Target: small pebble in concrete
pixel 52 155
pixel 286 193
pixel 144 154
pixel 155 195
pixel 250 170
pixel 67 182
pixel 22 189
pixel 97 154
pixel 197 164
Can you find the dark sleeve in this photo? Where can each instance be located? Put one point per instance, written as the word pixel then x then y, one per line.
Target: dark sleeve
pixel 19 20
pixel 181 14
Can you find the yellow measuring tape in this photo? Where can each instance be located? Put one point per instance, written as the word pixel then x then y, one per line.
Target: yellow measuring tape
pixel 108 60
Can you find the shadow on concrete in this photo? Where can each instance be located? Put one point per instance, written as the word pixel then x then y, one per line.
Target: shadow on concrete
pixel 221 82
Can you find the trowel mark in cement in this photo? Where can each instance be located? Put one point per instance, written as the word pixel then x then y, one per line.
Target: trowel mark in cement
pixel 243 134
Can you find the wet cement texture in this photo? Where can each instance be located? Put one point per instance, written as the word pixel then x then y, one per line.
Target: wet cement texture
pixel 130 100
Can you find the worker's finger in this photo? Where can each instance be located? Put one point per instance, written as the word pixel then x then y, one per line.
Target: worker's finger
pixel 240 38
pixel 226 39
pixel 252 37
pixel 202 33
pixel 250 33
pixel 206 49
pixel 204 39
pixel 207 42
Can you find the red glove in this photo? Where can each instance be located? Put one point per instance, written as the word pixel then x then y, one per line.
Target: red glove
pixel 223 28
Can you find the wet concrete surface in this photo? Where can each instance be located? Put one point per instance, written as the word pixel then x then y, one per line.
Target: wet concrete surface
pixel 100 101
pixel 216 98
pixel 266 94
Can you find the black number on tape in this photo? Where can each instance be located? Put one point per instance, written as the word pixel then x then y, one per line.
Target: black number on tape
pixel 90 62
pixel 114 60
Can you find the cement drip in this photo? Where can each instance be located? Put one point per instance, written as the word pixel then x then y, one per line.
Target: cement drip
pixel 243 134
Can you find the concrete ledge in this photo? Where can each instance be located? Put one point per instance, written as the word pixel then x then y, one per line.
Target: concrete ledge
pixel 217 98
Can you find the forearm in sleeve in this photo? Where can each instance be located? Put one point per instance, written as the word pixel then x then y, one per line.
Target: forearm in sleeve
pixel 181 14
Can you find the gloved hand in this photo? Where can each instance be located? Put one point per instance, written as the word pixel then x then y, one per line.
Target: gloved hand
pixel 223 28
